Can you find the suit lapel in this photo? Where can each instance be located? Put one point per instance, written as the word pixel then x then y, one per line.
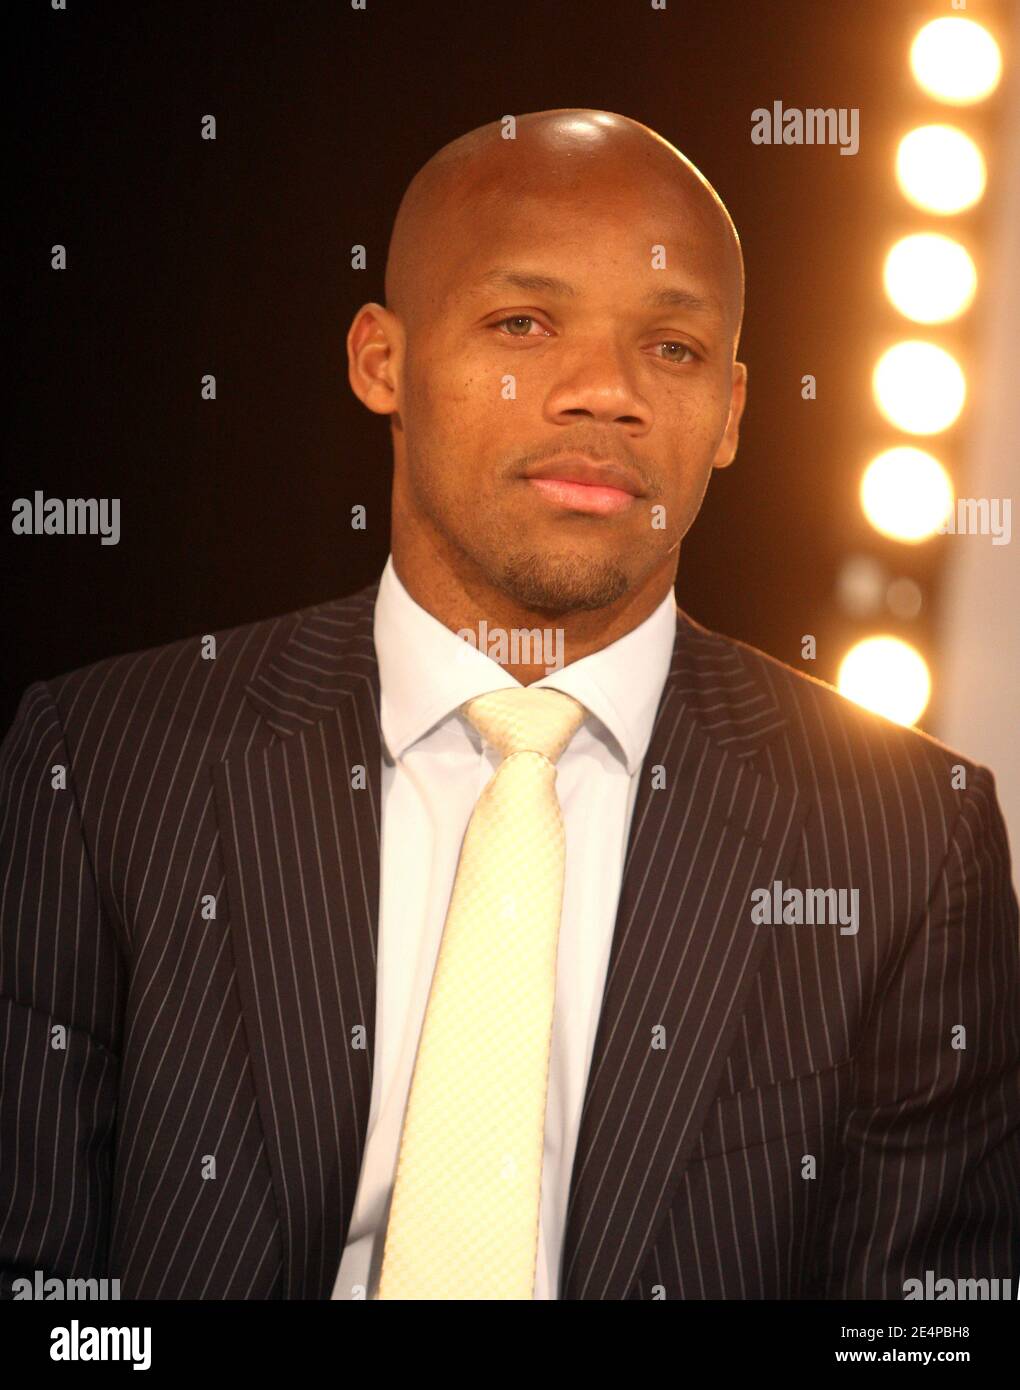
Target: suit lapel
pixel 301 858
pixel 684 954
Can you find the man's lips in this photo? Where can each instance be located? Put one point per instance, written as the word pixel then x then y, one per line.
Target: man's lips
pixel 583 497
pixel 582 485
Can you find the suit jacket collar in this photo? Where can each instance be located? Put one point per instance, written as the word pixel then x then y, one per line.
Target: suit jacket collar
pixel 710 823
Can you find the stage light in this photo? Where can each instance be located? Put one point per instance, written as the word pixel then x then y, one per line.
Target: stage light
pixel 956 60
pixel 904 598
pixel 930 278
pixel 940 169
pixel 886 675
pixel 861 585
pixel 906 494
pixel 918 387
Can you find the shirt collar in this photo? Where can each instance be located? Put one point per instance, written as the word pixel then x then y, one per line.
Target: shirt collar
pixel 426 672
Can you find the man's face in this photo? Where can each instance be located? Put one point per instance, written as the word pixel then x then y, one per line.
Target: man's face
pixel 502 375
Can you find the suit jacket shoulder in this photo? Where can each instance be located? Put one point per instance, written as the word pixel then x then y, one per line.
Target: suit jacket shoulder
pixel 831 746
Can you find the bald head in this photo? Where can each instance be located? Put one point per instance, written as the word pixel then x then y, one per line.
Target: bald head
pixel 561 159
pixel 568 300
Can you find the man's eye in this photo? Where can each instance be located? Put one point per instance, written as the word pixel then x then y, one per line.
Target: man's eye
pixel 682 349
pixel 515 320
pixel 519 326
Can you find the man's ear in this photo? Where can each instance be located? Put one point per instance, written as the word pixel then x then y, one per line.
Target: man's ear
pixel 727 449
pixel 375 351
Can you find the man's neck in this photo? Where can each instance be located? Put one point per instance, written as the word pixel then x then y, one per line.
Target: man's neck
pixel 500 626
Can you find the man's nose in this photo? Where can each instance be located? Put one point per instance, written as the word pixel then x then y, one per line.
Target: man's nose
pixel 596 382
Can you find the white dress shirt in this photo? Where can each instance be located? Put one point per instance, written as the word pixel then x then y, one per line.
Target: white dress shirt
pixel 434 768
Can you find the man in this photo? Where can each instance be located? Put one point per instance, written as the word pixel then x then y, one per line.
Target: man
pixel 343 960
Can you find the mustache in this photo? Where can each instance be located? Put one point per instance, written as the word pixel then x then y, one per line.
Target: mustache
pixel 598 451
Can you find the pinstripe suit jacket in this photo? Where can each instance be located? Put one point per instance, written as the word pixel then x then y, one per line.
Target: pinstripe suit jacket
pixel 187 985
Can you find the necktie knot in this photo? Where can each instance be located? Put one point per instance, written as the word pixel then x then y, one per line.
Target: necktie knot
pixel 526 719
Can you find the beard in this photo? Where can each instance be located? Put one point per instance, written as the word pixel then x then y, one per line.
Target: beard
pixel 559 584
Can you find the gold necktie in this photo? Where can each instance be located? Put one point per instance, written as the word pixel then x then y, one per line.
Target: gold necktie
pixel 464 1216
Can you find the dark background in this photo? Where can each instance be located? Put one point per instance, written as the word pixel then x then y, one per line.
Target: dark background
pixel 233 257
